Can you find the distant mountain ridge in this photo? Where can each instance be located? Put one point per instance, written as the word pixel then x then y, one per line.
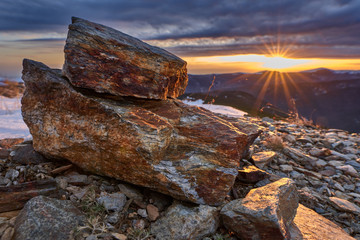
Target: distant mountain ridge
pixel 328 97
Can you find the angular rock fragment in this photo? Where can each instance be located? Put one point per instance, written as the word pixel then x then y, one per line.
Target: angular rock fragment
pixel 344 205
pixel 308 225
pixel 183 151
pixel 108 61
pixel 44 218
pixel 112 202
pixel 182 222
pixel 265 212
pixel 252 174
pixel 261 159
pixel 299 156
pixel 25 154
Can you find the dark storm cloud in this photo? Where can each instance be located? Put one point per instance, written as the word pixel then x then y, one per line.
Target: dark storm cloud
pixel 326 24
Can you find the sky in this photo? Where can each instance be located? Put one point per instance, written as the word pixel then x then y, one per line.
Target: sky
pixel 212 36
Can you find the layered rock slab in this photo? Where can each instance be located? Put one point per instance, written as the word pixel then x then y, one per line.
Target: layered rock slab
pixel 309 225
pixel 108 61
pixel 265 213
pixel 183 151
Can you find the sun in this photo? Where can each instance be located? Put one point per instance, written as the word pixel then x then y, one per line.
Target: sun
pixel 278 62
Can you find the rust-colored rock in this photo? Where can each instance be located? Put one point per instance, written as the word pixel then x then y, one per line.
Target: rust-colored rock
pixel 108 61
pixel 183 151
pixel 265 213
pixel 252 174
pixel 308 225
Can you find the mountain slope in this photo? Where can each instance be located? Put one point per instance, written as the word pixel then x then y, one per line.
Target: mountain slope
pixel 329 98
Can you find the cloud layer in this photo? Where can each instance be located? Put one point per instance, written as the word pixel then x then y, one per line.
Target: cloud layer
pixel 318 28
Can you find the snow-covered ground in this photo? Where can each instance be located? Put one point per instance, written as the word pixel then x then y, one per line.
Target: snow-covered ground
pixel 225 110
pixel 12 124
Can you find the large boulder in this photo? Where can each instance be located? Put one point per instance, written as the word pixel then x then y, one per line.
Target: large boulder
pixel 173 148
pixel 108 61
pixel 265 213
pixel 309 225
pixel 45 218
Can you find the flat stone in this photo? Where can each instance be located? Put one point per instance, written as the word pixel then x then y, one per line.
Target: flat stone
pixel 298 155
pixel 112 202
pixel 344 205
pixel 185 222
pixel 108 61
pixel 252 174
pixel 308 172
pixel 335 163
pixel 340 156
pixel 153 212
pixel 183 151
pixel 296 175
pixel 328 172
pixel 342 195
pixel 349 170
pixel 324 152
pixel 130 192
pixel 339 186
pixel 350 187
pixel 262 159
pixel 320 163
pixel 44 218
pixel 355 164
pixel 309 225
pixel 265 212
pixel 304 140
pixel 76 179
pixel 286 168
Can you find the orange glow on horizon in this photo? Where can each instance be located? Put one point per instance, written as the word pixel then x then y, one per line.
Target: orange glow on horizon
pixel 251 63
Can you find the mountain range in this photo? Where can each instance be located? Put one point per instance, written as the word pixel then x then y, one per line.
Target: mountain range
pixel 329 98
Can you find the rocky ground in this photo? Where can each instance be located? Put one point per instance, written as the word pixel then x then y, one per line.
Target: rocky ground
pixel 323 163
pixel 215 186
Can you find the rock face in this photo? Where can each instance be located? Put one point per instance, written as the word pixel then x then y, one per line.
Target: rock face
pixel 108 61
pixel 181 222
pixel 183 151
pixel 47 218
pixel 308 225
pixel 265 212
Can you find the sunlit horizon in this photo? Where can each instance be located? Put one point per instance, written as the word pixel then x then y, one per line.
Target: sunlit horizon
pixel 252 63
pixel 273 58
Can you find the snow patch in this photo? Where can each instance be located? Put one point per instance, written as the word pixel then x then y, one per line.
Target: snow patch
pixel 225 110
pixel 11 121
